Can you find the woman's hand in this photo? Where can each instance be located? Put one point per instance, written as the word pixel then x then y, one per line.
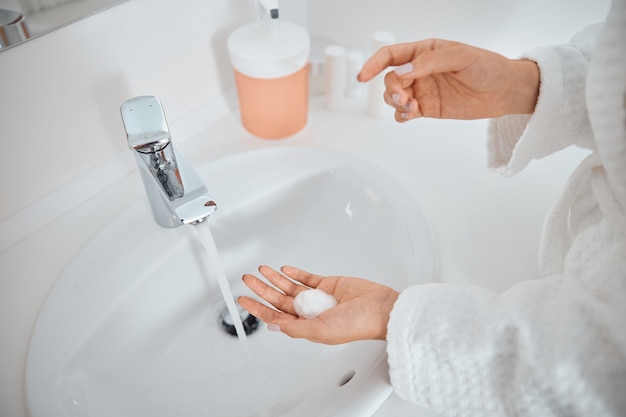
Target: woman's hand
pixel 362 310
pixel 451 80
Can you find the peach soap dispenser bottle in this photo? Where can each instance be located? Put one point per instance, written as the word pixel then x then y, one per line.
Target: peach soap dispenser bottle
pixel 270 61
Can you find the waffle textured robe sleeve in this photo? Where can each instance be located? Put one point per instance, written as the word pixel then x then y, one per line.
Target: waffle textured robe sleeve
pixel 560 117
pixel 549 347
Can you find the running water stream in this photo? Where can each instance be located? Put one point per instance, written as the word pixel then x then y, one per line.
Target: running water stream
pixel 215 269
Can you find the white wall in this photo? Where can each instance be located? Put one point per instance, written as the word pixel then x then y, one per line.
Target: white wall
pixel 507 26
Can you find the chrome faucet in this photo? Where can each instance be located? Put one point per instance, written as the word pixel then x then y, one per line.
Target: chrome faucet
pixel 176 193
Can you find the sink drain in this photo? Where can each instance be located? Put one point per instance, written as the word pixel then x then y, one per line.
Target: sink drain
pixel 250 323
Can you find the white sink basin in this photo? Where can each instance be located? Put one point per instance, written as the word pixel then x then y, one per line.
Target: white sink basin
pixel 131 327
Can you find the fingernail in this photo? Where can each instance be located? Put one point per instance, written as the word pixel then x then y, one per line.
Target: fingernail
pixel 409 106
pixel 273 327
pixel 404 116
pixel 404 69
pixel 396 98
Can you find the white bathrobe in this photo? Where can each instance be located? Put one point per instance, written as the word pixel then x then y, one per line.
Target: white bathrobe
pixel 554 346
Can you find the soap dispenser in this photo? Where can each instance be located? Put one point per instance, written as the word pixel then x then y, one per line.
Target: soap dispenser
pixel 270 62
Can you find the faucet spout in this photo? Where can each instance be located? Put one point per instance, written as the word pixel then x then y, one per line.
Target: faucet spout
pixel 176 194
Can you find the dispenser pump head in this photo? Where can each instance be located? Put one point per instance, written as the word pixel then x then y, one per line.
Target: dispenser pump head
pixel 271 7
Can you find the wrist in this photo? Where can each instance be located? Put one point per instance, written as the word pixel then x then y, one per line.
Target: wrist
pixel 524 87
pixel 386 307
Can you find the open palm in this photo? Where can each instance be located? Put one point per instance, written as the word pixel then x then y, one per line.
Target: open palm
pixel 362 309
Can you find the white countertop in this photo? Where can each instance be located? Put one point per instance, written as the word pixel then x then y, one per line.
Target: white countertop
pixel 487 226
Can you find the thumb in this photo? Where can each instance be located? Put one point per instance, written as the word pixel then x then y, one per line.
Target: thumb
pixel 452 57
pixel 385 57
pixel 299 328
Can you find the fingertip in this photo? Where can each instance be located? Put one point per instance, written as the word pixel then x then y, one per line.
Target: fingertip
pixel 285 326
pixel 273 327
pixel 361 78
pixel 247 278
pixel 402 117
pixel 288 270
pixel 410 106
pixel 396 98
pixel 366 73
pixel 242 300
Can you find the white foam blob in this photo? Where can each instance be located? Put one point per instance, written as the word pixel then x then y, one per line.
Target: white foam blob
pixel 311 303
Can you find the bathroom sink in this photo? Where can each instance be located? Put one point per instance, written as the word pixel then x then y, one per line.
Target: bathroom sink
pixel 132 328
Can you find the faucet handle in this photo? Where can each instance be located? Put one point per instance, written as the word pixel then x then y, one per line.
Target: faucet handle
pixel 176 193
pixel 146 127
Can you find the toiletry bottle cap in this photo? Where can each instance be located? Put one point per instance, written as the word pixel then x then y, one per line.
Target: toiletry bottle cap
pixel 261 51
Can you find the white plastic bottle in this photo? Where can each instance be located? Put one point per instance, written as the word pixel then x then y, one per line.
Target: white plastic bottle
pixel 334 77
pixel 376 86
